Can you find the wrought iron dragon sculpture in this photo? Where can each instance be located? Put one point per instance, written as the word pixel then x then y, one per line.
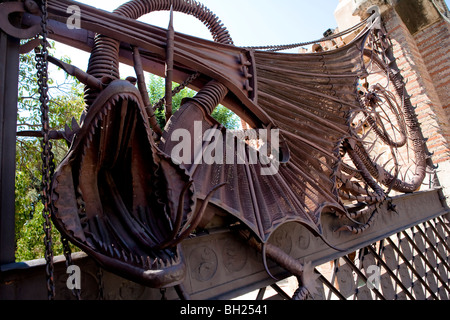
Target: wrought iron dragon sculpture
pixel 121 198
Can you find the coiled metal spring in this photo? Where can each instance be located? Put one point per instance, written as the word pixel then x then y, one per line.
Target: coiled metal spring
pixel 104 60
pixel 138 8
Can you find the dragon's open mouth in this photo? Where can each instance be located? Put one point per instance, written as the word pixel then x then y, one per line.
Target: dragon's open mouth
pixel 118 197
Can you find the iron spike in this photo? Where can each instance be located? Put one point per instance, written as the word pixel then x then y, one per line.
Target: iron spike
pixel 74 124
pixel 169 66
pixel 143 90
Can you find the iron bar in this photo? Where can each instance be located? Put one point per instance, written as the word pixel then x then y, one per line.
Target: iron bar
pixel 333 278
pixel 427 255
pixel 444 246
pixel 182 293
pixel 331 287
pixel 381 253
pixel 143 90
pixel 411 241
pixel 280 291
pixel 9 73
pixel 442 240
pixel 444 225
pixel 433 247
pixel 261 293
pixel 444 243
pixel 363 276
pixel 100 284
pixel 169 66
pixel 411 267
pixel 391 273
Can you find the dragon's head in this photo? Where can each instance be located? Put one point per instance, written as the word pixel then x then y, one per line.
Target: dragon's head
pixel 118 197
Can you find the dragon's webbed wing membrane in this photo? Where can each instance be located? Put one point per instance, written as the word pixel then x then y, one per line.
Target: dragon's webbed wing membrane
pixel 310 99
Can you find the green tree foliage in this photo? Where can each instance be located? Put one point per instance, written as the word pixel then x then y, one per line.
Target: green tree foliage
pixel 156 91
pixel 66 101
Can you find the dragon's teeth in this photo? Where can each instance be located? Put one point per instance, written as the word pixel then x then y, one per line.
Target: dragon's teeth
pixel 116 99
pixel 142 262
pixel 117 253
pixel 124 256
pixel 149 262
pixel 105 110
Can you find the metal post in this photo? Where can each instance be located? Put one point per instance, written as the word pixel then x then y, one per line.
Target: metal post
pixel 9 72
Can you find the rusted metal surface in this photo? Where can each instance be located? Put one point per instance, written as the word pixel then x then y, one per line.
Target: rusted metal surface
pixel 232 269
pixel 13 30
pixel 120 196
pixel 410 266
pixel 9 72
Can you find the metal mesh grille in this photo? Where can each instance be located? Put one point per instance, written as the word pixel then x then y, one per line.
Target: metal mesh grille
pixel 413 264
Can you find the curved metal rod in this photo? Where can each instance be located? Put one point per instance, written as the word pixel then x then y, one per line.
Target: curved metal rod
pixel 136 9
pixel 104 59
pixel 414 133
pixel 375 121
pixel 176 227
pixel 196 220
pixel 362 226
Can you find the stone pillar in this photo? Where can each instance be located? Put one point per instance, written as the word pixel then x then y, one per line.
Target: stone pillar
pixel 420 34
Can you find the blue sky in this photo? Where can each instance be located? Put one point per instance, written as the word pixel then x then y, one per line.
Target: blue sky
pixel 250 22
pixel 254 22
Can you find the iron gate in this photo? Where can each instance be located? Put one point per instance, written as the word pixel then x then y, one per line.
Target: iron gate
pixel 401 256
pixel 410 265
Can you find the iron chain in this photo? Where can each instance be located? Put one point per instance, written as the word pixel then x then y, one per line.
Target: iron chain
pixel 68 255
pixel 46 155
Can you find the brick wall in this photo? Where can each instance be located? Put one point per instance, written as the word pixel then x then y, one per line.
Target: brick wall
pixel 424 61
pixel 434 45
